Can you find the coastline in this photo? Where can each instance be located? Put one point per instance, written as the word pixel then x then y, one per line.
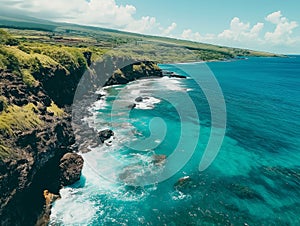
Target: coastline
pixel 49 89
pixel 241 191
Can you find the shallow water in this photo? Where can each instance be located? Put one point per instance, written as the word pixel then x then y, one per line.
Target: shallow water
pixel 255 178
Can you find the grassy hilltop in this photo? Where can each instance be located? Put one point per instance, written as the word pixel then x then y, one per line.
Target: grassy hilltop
pixel 174 50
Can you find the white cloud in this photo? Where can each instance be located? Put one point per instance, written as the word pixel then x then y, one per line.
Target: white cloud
pixel 283 30
pixel 275 17
pixel 188 34
pixel 244 35
pixel 240 31
pixel 144 25
pixel 169 29
pixel 106 13
pixel 237 32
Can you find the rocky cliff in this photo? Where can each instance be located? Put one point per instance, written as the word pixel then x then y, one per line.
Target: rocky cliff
pixel 37 86
pixel 35 134
pixel 131 72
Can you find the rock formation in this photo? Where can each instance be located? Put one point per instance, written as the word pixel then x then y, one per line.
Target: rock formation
pixel 70 168
pixel 36 135
pixel 105 135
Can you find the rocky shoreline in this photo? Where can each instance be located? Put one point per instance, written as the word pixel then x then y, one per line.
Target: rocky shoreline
pixel 44 157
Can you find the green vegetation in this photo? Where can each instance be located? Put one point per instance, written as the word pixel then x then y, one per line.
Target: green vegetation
pixel 100 41
pixel 139 67
pixel 29 59
pixel 29 79
pixel 56 110
pixel 16 118
pixel 4 151
pixel 7 39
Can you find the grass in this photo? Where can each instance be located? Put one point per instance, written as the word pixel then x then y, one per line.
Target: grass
pixel 56 110
pixel 19 62
pixel 4 151
pixel 138 67
pixel 28 78
pixel 16 118
pixel 30 60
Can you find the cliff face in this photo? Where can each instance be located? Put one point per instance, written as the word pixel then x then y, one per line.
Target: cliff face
pixel 38 135
pixel 143 69
pixel 37 86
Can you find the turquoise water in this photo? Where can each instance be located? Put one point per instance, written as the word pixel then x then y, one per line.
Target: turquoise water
pixel 255 178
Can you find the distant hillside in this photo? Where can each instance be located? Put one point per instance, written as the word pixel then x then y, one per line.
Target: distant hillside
pixel 160 49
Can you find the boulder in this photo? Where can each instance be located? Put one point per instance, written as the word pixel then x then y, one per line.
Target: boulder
pixel 99 96
pixel 159 159
pixel 132 106
pixel 105 134
pixel 70 168
pixel 183 183
pixel 139 99
pixel 50 197
pixel 177 76
pixel 46 101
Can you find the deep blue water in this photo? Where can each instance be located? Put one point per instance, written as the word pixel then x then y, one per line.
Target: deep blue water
pixel 255 178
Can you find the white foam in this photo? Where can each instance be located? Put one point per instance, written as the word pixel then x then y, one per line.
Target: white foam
pixel 173 84
pixel 147 103
pixel 192 63
pixel 104 164
pixel 101 91
pixel 99 104
pixel 73 208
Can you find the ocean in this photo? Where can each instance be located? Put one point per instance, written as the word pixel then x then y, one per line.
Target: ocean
pixel 253 178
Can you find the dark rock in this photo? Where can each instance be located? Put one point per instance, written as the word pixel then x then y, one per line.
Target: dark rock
pixel 43 110
pixel 147 69
pixel 70 168
pixel 158 159
pixel 172 74
pixel 105 135
pixel 139 99
pixel 20 102
pixel 99 96
pixel 1 105
pixel 183 183
pixel 27 138
pixel 132 106
pixel 177 76
pixel 36 154
pixel 39 165
pixel 88 57
pixel 167 73
pixel 14 91
pixel 51 113
pixel 46 101
pixel 50 198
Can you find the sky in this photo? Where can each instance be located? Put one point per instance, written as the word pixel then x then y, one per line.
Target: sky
pixel 268 25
